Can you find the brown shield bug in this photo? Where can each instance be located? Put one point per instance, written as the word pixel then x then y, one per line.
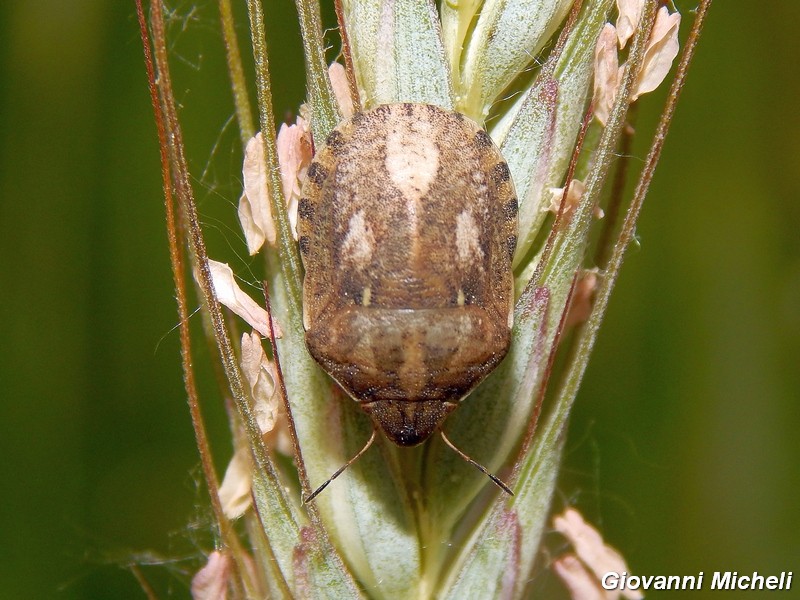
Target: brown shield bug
pixel 407 227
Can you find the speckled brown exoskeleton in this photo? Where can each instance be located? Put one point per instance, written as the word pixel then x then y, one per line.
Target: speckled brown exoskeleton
pixel 407 227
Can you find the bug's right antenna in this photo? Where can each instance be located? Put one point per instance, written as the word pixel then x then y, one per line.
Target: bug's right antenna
pixel 316 492
pixel 481 468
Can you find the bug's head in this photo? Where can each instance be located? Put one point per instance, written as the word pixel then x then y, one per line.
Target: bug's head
pixel 408 423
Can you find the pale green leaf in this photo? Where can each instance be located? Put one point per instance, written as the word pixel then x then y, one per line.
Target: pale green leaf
pixel 279 514
pixel 270 575
pixel 492 568
pixel 362 20
pixel 398 52
pixel 493 559
pixel 538 142
pixel 457 16
pixel 542 461
pixel 507 37
pixel 375 524
pixel 528 148
pixel 315 575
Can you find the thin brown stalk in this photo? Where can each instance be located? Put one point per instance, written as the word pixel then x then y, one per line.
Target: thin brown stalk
pixel 660 136
pixel 612 212
pixel 305 486
pixel 176 260
pixel 197 243
pixel 556 228
pixel 555 53
pixel 573 165
pixel 347 53
pixel 143 583
pixel 244 114
pixel 588 334
pixel 533 422
pixel 227 536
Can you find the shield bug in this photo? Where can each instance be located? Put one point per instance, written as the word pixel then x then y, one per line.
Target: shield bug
pixel 407 227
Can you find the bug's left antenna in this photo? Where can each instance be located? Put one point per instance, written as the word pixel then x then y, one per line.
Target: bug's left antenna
pixel 341 469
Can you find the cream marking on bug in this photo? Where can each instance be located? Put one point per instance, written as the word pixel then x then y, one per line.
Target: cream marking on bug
pixel 460 299
pixel 412 161
pixel 467 239
pixel 366 296
pixel 359 243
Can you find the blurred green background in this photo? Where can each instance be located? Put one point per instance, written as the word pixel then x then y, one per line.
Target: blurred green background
pixel 684 444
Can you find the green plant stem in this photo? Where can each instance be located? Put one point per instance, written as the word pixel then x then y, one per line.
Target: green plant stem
pixel 244 114
pixel 287 249
pixel 324 111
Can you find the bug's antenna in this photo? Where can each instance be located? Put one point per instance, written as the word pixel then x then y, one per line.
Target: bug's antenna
pixel 341 469
pixel 481 468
